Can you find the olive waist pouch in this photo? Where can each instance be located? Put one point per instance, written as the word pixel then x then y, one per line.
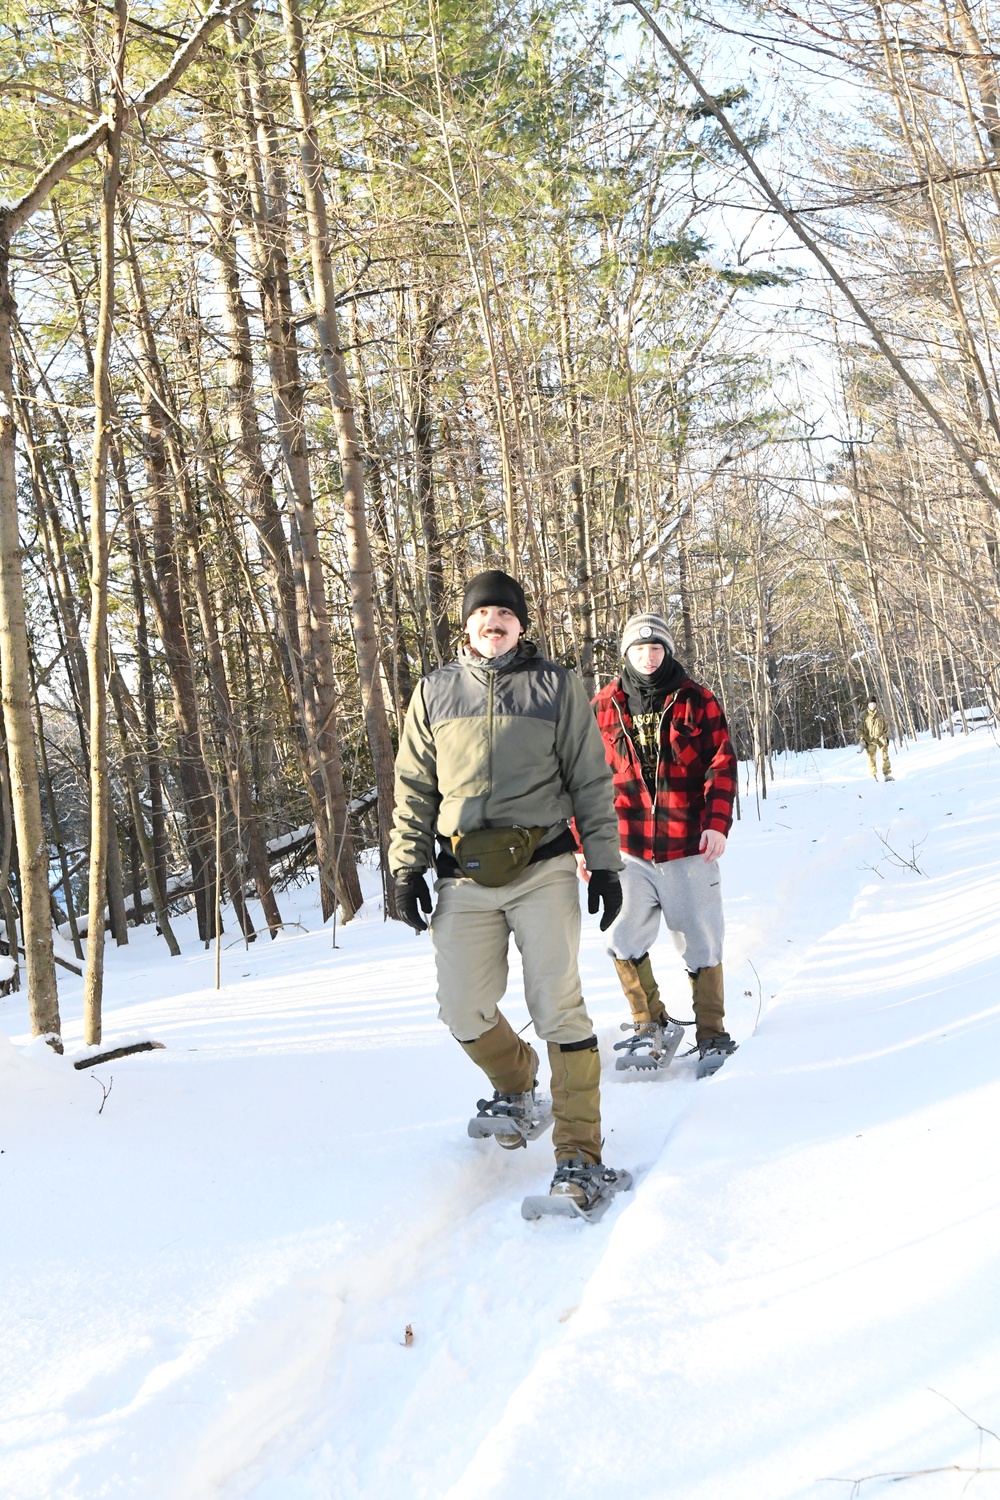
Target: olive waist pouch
pixel 494 856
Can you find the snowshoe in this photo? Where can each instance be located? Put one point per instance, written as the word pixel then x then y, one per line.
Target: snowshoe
pixel 512 1119
pixel 651 1046
pixel 712 1053
pixel 578 1191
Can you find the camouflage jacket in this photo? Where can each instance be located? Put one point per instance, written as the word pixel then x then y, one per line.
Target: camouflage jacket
pixel 874 730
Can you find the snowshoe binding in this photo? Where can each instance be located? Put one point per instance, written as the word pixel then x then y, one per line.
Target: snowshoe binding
pixel 651 1046
pixel 579 1190
pixel 512 1119
pixel 712 1053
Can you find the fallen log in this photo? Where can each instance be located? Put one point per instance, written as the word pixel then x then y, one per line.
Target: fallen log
pixel 64 963
pixel 103 1057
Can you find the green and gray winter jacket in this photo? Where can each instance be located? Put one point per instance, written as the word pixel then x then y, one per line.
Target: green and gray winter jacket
pixel 497 744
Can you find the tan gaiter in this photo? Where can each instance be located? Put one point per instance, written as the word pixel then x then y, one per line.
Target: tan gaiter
pixel 641 990
pixel 506 1059
pixel 576 1102
pixel 709 1005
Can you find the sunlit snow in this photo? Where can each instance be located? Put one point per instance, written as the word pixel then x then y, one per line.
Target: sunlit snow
pixel 206 1286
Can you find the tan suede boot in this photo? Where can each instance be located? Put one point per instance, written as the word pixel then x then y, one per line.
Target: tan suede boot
pixel 508 1061
pixel 709 1005
pixel 641 990
pixel 576 1100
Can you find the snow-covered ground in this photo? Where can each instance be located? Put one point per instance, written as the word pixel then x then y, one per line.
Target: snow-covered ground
pixel 206 1286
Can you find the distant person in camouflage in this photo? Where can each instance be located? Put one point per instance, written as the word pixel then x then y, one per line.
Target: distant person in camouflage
pixel 874 735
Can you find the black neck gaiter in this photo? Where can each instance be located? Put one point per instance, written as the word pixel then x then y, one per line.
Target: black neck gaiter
pixel 646 694
pixel 650 691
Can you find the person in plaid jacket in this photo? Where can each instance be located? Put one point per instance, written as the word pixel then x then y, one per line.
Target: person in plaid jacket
pixel 668 746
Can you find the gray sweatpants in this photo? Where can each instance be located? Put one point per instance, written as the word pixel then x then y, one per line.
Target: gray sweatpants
pixel 688 893
pixel 471 931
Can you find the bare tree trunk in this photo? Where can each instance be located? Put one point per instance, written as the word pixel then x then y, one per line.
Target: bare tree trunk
pixel 27 813
pixel 395 661
pixel 150 739
pixel 889 705
pixel 66 587
pixel 97 640
pixel 421 422
pixel 164 587
pixel 68 900
pixel 117 915
pixel 684 586
pixel 315 686
pixel 43 1001
pixel 237 770
pixel 244 426
pixel 583 582
pixel 168 606
pixel 352 469
pixel 156 890
pixel 7 852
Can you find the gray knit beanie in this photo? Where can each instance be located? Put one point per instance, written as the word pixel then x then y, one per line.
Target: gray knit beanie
pixel 647 630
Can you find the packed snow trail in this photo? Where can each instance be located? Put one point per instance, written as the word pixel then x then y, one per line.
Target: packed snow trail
pixel 207 1285
pixel 822 1233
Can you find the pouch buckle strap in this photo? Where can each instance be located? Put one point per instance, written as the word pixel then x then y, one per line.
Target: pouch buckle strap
pixel 495 856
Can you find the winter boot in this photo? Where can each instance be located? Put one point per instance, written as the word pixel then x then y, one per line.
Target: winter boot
pixel 721 1042
pixel 586 1182
pixel 511 1065
pixel 576 1099
pixel 655 1038
pixel 709 1005
pixel 511 1119
pixel 712 1053
pixel 641 990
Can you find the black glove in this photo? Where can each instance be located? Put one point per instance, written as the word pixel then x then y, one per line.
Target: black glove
pixel 604 889
pixel 413 892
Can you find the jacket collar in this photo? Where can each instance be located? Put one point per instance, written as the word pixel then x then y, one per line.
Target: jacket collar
pixel 524 651
pixel 614 692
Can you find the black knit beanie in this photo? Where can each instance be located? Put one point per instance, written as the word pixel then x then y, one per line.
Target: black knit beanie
pixel 495 587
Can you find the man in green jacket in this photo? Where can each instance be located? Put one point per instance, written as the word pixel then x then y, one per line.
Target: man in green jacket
pixel 498 754
pixel 874 735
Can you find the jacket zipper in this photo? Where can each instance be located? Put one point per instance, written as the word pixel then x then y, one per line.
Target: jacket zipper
pixel 659 734
pixel 631 745
pixel 512 848
pixel 489 731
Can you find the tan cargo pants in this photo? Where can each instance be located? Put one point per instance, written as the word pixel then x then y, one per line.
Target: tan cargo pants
pixel 471 930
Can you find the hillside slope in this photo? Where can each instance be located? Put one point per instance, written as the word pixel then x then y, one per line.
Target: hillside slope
pixel 207 1284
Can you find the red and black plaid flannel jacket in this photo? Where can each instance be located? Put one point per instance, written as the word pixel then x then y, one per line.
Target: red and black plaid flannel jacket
pixel 695 777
